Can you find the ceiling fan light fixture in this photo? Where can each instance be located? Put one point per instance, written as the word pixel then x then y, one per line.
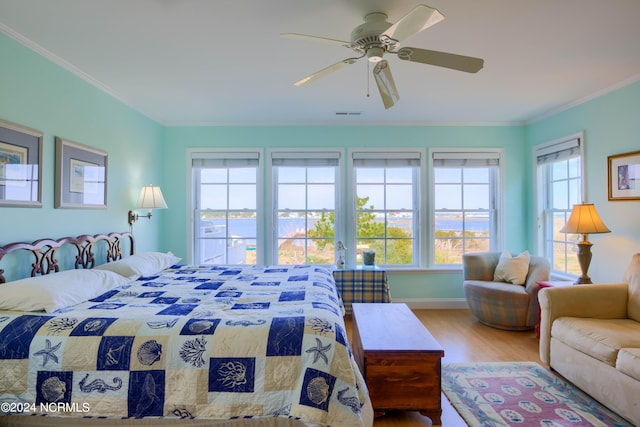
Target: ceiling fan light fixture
pixel 374 54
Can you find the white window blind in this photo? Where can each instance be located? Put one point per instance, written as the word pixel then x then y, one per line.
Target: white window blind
pixel 465 159
pixel 225 160
pixel 385 159
pixel 557 152
pixel 305 158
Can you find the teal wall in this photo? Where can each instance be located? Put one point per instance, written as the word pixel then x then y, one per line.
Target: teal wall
pixel 36 93
pixel 39 94
pixel 611 126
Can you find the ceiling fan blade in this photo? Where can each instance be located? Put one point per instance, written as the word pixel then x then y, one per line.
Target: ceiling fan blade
pixel 418 19
pixel 386 85
pixel 316 39
pixel 327 70
pixel 467 64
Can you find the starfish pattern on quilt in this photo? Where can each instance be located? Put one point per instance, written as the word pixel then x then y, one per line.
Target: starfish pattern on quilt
pixel 319 351
pixel 48 352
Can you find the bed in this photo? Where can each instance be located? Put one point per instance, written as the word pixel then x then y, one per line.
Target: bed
pixel 122 338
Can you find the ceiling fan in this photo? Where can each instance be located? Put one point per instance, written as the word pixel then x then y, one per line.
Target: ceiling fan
pixel 376 37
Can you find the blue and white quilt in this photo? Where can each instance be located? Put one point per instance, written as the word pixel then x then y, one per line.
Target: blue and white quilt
pixel 191 342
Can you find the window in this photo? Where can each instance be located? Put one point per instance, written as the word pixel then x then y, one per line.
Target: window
pixel 305 191
pixel 465 199
pixel 381 206
pixel 559 187
pixel 225 207
pixel 387 206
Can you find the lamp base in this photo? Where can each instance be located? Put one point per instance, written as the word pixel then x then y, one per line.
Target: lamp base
pixel 584 259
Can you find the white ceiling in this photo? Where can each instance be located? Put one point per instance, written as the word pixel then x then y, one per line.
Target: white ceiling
pixel 194 62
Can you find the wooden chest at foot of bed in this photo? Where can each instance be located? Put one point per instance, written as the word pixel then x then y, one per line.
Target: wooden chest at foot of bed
pixel 399 359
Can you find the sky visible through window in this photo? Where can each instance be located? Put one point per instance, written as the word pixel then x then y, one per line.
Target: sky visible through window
pixel 241 194
pixel 305 192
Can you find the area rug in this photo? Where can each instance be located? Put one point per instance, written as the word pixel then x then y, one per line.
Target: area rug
pixel 520 394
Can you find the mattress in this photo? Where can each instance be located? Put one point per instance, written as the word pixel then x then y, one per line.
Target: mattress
pixel 266 343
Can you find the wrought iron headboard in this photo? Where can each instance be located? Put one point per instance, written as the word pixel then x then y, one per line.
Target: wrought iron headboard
pixel 44 251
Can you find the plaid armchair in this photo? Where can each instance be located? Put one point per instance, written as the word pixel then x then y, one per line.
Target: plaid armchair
pixel 498 304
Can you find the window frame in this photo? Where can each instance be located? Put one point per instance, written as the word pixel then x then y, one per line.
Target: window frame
pixel 496 242
pixel 345 200
pixel 224 153
pixel 271 237
pixel 541 197
pixel 418 191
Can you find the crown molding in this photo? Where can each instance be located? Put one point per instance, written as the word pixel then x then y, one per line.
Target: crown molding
pixel 626 82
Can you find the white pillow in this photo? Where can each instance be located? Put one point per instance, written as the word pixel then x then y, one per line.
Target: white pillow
pixel 57 290
pixel 512 269
pixel 141 265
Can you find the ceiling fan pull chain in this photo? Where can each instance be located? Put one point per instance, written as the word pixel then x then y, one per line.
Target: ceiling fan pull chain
pixel 368 77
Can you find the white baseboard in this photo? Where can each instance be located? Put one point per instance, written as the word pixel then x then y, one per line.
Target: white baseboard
pixel 433 303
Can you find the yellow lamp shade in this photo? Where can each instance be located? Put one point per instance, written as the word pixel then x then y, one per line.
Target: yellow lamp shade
pixel 584 219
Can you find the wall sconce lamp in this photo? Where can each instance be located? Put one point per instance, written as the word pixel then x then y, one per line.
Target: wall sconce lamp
pixel 584 220
pixel 150 198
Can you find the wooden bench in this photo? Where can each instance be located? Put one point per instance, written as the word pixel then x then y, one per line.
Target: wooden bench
pixel 399 359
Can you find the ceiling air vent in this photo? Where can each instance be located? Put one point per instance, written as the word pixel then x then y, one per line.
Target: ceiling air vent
pixel 348 113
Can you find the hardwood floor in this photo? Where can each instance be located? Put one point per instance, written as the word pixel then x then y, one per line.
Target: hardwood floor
pixel 464 339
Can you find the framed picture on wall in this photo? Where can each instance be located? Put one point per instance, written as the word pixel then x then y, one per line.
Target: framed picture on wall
pixel 624 176
pixel 81 176
pixel 20 166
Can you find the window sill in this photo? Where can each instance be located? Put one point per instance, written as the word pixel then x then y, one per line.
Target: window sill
pixel 424 270
pixel 563 277
pixel 455 269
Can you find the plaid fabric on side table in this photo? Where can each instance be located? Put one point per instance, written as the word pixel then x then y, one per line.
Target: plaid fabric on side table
pixel 362 285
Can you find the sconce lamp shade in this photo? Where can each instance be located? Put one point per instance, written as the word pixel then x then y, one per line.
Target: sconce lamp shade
pixel 151 198
pixel 584 220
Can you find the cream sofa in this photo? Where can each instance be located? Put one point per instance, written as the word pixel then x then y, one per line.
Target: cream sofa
pixel 590 334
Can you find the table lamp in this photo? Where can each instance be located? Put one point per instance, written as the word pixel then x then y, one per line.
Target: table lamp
pixel 584 220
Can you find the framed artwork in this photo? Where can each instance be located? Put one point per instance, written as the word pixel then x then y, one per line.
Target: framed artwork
pixel 81 176
pixel 624 176
pixel 20 166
